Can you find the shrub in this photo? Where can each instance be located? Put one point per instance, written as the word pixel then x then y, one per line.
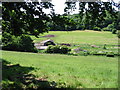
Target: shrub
pixel 97 28
pixel 105 29
pixel 118 34
pixel 110 27
pixel 9 41
pixel 57 49
pixel 114 31
pixel 110 54
pixel 6 38
pixel 49 49
pixel 18 43
pixel 64 49
pixel 10 85
pixel 26 44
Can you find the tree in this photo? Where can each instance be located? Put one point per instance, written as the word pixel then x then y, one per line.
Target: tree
pixel 61 22
pixel 29 18
pixel 92 13
pixel 25 17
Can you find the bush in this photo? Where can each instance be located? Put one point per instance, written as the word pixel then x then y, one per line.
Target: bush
pixel 26 44
pixel 118 34
pixel 97 28
pixel 57 49
pixel 10 85
pixel 105 29
pixel 18 43
pixel 114 31
pixel 6 38
pixel 110 27
pixel 64 49
pixel 110 54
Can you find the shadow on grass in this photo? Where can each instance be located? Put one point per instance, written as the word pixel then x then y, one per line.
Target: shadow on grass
pixel 17 77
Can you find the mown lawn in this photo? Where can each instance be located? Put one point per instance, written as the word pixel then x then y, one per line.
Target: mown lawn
pixel 69 71
pixel 80 37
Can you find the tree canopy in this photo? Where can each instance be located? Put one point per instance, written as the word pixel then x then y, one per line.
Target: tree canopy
pixel 29 17
pixel 25 17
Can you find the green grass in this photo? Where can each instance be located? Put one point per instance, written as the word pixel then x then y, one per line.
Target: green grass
pixel 81 37
pixel 69 71
pixel 84 40
pixel 0 36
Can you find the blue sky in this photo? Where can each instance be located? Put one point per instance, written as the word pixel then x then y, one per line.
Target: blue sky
pixel 59 6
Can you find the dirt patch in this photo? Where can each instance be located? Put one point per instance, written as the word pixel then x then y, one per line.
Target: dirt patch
pixel 49 36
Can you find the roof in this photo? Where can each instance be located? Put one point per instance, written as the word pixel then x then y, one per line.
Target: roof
pixel 41 47
pixel 46 41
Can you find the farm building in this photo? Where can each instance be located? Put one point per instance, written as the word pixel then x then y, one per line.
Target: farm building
pixel 44 44
pixel 47 42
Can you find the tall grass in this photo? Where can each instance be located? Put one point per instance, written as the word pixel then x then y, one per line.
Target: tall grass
pixel 69 71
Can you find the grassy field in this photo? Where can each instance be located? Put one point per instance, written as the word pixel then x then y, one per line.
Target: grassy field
pixel 67 71
pixel 80 37
pixel 84 40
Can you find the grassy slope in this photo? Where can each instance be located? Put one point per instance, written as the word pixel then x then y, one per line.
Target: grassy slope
pixel 81 37
pixel 75 71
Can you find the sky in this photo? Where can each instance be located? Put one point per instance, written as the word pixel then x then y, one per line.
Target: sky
pixel 59 6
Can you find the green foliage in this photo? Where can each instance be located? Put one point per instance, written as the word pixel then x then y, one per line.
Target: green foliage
pixel 105 29
pixel 97 28
pixel 111 27
pixel 110 54
pixel 118 34
pixel 64 49
pixel 19 18
pixel 114 31
pixel 10 85
pixel 57 23
pixel 26 43
pixel 6 38
pixel 18 43
pixel 57 49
